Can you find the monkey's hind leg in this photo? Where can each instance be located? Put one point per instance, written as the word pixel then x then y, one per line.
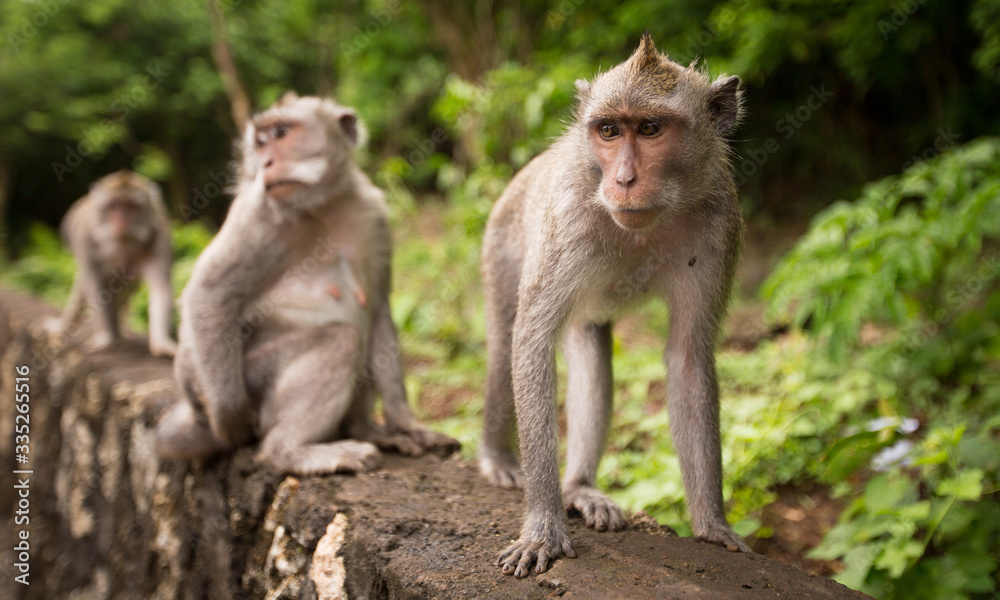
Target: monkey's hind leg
pixel 588 411
pixel 183 434
pixel 497 461
pixel 303 410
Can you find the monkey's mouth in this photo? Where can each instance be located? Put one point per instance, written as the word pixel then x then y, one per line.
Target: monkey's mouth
pixel 280 183
pixel 634 218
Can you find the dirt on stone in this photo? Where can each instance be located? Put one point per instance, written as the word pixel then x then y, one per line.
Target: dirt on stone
pixel 432 528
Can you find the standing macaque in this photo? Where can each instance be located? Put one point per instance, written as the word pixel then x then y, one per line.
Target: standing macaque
pixel 285 324
pixel 118 231
pixel 636 198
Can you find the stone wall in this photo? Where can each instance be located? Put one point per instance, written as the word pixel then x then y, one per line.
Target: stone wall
pixel 108 519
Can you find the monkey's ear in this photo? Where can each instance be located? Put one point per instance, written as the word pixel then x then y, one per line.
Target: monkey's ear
pixel 155 194
pixel 348 122
pixel 582 91
pixel 725 104
pixel 287 98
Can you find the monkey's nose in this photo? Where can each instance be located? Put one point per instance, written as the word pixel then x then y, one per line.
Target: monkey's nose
pixel 625 178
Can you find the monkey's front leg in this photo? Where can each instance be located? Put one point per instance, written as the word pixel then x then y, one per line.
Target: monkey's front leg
pixel 217 358
pixel 103 307
pixel 161 299
pixel 693 405
pixel 544 536
pixel 73 311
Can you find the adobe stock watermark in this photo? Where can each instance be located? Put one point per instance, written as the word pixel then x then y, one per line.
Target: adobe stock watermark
pixel 364 34
pixel 325 250
pixel 921 332
pixel 787 126
pixel 29 28
pixel 121 107
pixel 555 17
pixel 945 139
pixel 221 182
pixel 901 13
pixel 696 43
pixel 425 148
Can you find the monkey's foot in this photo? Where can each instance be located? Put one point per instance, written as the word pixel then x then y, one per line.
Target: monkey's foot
pixel 431 441
pixel 166 348
pixel 598 511
pixel 345 456
pixel 500 468
pixel 723 535
pixel 403 444
pixel 355 457
pixel 99 341
pixel 411 440
pixel 53 325
pixel 540 550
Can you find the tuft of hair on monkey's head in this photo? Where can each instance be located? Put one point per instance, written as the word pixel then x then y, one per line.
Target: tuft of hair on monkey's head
pixel 338 121
pixel 128 186
pixel 649 81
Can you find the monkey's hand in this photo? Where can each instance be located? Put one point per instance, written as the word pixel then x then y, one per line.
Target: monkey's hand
pixel 597 510
pixel 720 533
pixel 539 548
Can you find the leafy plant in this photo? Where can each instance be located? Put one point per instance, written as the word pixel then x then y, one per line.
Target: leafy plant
pixel 904 284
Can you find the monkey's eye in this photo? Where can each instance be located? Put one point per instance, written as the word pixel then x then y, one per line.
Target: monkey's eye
pixel 260 140
pixel 280 131
pixel 649 128
pixel 609 130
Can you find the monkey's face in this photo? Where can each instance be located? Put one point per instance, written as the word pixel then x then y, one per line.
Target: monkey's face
pixel 123 216
pixel 289 155
pixel 656 131
pixel 298 150
pixel 636 152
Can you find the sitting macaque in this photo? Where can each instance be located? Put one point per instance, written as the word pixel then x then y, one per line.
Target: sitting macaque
pixel 285 328
pixel 117 232
pixel 635 199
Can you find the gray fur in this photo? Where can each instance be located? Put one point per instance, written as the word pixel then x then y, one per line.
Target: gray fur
pixel 265 349
pixel 555 238
pixel 108 266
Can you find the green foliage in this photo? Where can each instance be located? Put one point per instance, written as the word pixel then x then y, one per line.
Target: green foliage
pixel 915 263
pixel 898 290
pixel 47 270
pixel 107 84
pixel 918 252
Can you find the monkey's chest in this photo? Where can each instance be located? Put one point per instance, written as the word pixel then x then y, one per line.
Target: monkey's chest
pixel 616 287
pixel 317 297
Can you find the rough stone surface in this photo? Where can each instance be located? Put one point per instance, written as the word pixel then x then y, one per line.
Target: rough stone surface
pixel 110 520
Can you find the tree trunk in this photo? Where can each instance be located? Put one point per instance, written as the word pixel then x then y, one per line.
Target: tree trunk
pixel 4 192
pixel 238 100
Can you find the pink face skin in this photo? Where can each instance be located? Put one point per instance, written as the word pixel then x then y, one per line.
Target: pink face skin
pixel 635 154
pixel 121 215
pixel 278 145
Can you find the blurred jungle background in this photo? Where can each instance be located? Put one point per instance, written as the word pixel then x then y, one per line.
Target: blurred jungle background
pixel 860 369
